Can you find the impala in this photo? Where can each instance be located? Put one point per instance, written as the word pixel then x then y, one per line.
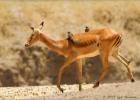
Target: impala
pixel 103 42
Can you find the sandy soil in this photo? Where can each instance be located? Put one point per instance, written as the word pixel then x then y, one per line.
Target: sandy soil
pixel 37 66
pixel 114 91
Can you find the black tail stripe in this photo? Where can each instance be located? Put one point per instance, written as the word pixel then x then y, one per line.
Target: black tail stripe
pixel 117 42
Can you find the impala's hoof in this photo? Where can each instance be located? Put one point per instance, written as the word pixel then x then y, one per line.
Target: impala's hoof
pixel 96 84
pixel 80 88
pixel 62 90
pixel 132 80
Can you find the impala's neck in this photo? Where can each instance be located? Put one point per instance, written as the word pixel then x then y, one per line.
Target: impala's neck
pixel 52 44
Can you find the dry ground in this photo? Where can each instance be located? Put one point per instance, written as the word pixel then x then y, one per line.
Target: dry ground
pixel 114 91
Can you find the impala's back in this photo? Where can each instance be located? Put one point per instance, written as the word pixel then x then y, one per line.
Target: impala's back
pixel 88 44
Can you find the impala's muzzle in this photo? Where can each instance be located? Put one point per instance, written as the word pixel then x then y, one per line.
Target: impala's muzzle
pixel 27 45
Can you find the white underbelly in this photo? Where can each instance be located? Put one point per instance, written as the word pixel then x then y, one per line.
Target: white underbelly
pixel 92 54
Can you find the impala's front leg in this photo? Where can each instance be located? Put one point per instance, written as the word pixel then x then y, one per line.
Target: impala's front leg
pixel 79 73
pixel 61 70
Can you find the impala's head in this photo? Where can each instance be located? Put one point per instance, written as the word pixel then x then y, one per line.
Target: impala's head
pixel 34 37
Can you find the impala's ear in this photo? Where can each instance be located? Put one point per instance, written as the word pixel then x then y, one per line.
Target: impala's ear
pixel 32 28
pixel 41 24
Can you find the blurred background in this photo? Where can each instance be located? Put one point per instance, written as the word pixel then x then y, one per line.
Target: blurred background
pixel 20 66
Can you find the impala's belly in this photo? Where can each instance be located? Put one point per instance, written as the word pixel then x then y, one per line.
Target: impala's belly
pixel 91 54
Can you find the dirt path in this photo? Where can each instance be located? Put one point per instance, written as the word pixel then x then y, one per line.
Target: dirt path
pixel 115 91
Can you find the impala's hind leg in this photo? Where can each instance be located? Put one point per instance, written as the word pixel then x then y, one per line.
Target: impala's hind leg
pixel 104 59
pixel 79 73
pixel 126 63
